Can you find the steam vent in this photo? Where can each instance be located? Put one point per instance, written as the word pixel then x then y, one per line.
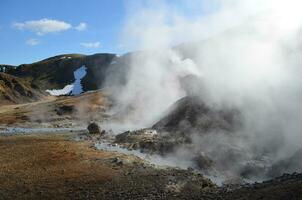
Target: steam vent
pixel 152 100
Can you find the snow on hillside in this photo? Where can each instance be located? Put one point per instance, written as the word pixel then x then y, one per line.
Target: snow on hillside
pixel 78 75
pixel 75 88
pixel 66 90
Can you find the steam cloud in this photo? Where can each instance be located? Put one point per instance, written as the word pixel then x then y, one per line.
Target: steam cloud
pixel 248 53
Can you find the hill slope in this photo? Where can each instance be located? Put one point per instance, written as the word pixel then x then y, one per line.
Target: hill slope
pixel 57 72
pixel 18 90
pixel 190 114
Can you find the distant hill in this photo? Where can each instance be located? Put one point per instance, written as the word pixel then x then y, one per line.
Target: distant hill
pixel 56 72
pixel 6 68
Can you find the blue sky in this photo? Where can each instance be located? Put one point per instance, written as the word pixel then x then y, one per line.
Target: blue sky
pixel 22 42
pixel 31 30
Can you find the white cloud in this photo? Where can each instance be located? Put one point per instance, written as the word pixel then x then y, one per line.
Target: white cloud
pixel 32 42
pixel 91 44
pixel 81 27
pixel 43 26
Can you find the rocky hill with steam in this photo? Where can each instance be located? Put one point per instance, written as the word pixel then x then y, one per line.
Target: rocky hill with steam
pixel 156 104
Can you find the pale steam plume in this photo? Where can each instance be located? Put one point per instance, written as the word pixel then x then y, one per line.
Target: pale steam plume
pixel 248 53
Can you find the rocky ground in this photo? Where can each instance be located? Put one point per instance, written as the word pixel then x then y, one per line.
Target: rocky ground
pixel 55 112
pixel 55 166
pixel 62 161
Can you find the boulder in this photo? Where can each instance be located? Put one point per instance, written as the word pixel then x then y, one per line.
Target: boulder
pixel 94 128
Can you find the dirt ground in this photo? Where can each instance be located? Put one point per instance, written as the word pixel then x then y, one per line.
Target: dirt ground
pixel 55 110
pixel 44 167
pixel 53 166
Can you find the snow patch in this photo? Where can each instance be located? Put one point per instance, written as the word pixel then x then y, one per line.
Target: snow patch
pixel 66 90
pixel 64 57
pixel 78 75
pixel 75 88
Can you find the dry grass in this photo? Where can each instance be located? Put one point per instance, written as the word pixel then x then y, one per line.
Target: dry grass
pixel 49 166
pixel 88 105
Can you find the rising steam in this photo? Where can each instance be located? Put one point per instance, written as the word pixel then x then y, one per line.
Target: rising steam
pixel 248 54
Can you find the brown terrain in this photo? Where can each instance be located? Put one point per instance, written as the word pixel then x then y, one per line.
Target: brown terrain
pixel 17 90
pixel 56 111
pixel 54 166
pixel 66 164
pixel 44 167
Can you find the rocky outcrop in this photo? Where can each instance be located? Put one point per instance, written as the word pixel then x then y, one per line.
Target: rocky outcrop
pixel 149 140
pixel 191 115
pixel 17 90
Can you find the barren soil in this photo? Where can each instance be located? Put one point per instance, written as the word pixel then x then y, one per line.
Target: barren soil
pixel 56 111
pixel 49 166
pixel 55 166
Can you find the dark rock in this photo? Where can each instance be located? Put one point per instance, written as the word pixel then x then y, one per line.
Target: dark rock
pixel 66 109
pixel 94 128
pixel 191 115
pixel 147 140
pixel 103 132
pixel 117 161
pixel 203 162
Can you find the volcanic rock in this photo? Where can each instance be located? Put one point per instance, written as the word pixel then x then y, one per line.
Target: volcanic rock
pixel 203 162
pixel 150 141
pixel 191 115
pixel 65 109
pixel 289 165
pixel 144 139
pixel 94 128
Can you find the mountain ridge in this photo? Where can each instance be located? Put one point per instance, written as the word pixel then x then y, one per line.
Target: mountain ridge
pixel 57 71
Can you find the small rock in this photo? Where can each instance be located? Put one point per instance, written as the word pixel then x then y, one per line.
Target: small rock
pixel 94 128
pixel 117 161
